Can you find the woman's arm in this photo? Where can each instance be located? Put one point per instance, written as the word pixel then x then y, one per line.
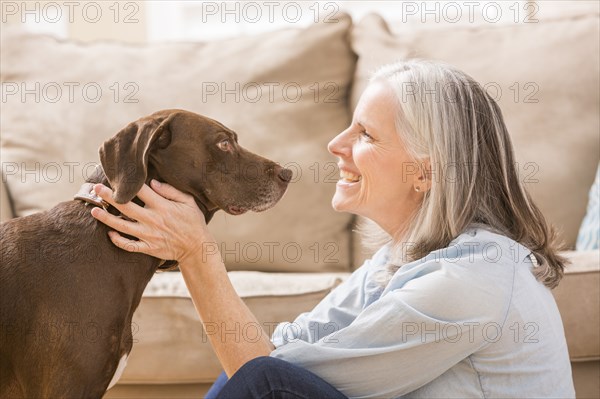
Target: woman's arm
pixel 217 303
pixel 174 228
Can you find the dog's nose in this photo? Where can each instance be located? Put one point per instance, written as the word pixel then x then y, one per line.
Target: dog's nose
pixel 285 175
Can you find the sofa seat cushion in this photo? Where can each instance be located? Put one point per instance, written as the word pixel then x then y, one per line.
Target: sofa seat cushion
pixel 170 344
pixel 577 299
pixel 283 92
pixel 249 283
pixel 548 96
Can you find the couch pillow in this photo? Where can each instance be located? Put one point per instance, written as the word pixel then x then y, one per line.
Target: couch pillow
pixel 545 78
pixel 284 93
pixel 589 232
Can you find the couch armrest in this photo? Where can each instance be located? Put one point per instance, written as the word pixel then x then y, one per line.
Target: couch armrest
pixel 6 211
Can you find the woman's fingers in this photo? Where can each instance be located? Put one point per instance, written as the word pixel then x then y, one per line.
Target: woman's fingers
pixel 149 197
pixel 130 209
pixel 169 192
pixel 116 222
pixel 158 190
pixel 153 196
pixel 128 245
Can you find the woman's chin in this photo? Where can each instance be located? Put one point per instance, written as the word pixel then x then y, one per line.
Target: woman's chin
pixel 341 204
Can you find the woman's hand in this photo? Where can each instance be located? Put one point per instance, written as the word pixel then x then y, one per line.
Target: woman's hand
pixel 170 226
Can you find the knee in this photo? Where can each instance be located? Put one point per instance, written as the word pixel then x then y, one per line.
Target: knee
pixel 257 378
pixel 264 367
pixel 266 364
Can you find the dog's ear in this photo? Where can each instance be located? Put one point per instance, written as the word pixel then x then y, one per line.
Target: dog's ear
pixel 124 157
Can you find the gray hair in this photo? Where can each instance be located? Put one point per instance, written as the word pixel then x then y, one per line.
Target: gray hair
pixel 446 116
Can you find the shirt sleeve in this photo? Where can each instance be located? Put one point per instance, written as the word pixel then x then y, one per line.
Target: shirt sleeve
pixel 337 310
pixel 412 334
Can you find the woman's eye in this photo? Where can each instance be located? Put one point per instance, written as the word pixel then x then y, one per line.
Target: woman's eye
pixel 366 136
pixel 224 145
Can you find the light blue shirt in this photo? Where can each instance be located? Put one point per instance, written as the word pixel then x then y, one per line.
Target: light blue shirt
pixel 466 321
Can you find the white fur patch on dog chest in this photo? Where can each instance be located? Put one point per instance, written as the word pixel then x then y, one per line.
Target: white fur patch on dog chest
pixel 118 372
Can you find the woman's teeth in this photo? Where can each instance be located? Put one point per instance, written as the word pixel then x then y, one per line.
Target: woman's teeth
pixel 349 177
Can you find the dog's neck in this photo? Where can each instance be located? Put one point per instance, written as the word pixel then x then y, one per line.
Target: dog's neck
pixel 100 177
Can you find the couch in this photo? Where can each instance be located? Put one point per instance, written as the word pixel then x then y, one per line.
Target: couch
pixel 287 94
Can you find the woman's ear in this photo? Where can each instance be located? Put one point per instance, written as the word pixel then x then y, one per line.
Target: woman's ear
pixel 423 178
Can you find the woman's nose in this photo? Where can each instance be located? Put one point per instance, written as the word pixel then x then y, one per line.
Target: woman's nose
pixel 340 146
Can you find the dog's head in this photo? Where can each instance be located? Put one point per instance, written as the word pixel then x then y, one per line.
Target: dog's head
pixel 196 155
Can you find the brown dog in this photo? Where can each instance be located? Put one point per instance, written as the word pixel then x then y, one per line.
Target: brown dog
pixel 68 294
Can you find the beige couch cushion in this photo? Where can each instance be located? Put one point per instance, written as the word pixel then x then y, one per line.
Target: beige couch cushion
pixel 170 345
pixel 303 75
pixel 6 211
pixel 577 297
pixel 555 62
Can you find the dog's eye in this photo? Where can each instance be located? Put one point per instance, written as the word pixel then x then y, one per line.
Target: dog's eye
pixel 224 145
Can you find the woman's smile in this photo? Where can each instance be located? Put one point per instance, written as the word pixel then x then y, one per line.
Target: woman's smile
pixel 348 179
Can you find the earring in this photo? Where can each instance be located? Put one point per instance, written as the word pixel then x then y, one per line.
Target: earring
pixel 417 188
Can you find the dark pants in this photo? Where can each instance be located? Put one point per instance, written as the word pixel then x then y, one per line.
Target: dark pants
pixel 269 377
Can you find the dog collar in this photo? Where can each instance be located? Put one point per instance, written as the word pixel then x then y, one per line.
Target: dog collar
pixel 87 194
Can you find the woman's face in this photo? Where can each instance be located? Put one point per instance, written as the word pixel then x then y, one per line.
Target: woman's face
pixel 377 176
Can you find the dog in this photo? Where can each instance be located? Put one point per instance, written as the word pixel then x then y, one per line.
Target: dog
pixel 68 294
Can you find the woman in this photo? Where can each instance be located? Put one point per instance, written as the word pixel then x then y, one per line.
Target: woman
pixel 453 304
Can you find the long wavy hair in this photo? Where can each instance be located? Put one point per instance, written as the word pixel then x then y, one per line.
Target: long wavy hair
pixel 446 116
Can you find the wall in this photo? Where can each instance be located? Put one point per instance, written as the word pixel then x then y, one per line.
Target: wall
pixel 150 21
